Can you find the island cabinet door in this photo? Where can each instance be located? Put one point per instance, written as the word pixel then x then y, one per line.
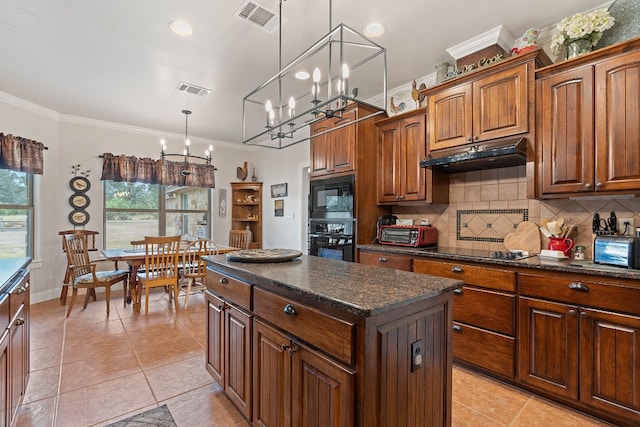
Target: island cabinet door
pixel 215 338
pixel 271 377
pixel 237 367
pixel 322 390
pixel 549 346
pixel 610 362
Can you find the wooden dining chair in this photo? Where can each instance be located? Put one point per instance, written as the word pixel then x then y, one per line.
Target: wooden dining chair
pixel 193 268
pixel 90 237
pixel 238 239
pixel 83 274
pixel 160 266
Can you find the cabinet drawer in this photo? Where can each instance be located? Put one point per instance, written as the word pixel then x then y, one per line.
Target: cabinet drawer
pixel 326 332
pixel 17 297
pixel 485 309
pixel 581 290
pixel 383 259
pixel 485 277
pixel 486 349
pixel 230 289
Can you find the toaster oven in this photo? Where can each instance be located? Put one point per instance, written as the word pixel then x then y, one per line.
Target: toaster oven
pixel 408 235
pixel 617 250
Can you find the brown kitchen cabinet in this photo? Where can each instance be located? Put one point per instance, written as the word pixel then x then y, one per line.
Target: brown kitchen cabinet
pixel 587 116
pixel 385 259
pixel 401 145
pixel 580 340
pixel 338 147
pixel 492 106
pixel 229 339
pixel 484 333
pixel 246 210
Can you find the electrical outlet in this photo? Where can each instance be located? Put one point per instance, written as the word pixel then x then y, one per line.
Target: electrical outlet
pixel 624 229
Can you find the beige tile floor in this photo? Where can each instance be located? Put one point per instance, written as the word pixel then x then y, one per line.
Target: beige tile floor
pixel 90 370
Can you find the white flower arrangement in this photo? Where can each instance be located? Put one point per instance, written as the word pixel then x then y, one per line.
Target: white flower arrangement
pixel 581 26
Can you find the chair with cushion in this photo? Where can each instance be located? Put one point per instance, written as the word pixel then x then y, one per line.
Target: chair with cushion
pixel 193 267
pixel 160 266
pixel 90 237
pixel 238 239
pixel 83 274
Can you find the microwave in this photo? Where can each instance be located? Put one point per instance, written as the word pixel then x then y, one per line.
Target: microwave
pixel 408 235
pixel 331 198
pixel 622 251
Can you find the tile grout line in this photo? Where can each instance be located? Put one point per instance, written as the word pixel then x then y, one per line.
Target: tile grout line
pixel 515 418
pixel 54 420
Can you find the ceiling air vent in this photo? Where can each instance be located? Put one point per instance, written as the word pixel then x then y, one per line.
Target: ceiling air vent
pixel 189 88
pixel 258 14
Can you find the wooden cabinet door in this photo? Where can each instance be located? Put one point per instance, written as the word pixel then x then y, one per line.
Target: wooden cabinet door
pixel 271 377
pixel 319 148
pixel 323 392
pixel 501 104
pixel 343 144
pixel 237 355
pixel 215 338
pixel 413 148
pixel 17 368
pixel 610 362
pixel 617 112
pixel 565 129
pixel 549 346
pixel 450 124
pixel 388 162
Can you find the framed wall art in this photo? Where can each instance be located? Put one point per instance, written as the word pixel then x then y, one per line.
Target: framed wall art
pixel 278 206
pixel 222 203
pixel 279 190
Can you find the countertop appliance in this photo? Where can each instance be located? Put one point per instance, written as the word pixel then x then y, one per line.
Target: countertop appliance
pixel 408 235
pixel 622 251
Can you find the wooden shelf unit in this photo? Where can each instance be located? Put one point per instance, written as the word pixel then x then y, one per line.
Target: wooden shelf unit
pixel 246 210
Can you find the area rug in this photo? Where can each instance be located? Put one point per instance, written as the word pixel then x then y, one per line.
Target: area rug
pixel 156 417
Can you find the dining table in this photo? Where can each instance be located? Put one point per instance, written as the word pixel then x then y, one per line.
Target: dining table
pixel 134 257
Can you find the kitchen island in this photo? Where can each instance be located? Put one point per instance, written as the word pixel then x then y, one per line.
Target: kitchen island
pixel 324 342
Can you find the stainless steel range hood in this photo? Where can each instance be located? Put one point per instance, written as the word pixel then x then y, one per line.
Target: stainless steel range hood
pixel 484 155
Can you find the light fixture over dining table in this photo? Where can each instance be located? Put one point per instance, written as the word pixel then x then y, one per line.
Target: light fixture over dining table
pixel 186 153
pixel 343 64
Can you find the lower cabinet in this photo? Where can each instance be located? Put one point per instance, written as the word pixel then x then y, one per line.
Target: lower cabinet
pixel 295 385
pixel 387 260
pixel 586 355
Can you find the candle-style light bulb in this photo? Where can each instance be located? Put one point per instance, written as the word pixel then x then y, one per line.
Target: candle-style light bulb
pixel 187 142
pixel 345 71
pixel 268 106
pixel 162 143
pixel 292 107
pixel 345 79
pixel 316 75
pixel 271 117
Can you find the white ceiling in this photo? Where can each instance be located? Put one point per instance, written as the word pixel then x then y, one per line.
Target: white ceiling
pixel 117 60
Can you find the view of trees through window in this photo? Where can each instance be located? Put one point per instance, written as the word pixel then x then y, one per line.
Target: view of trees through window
pixel 16 214
pixel 135 210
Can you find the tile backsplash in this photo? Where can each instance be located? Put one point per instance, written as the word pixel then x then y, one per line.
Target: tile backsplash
pixel 491 202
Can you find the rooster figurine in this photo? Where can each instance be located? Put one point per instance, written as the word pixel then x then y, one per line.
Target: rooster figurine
pixel 242 172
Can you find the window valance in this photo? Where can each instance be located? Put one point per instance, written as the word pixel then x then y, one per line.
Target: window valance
pixel 21 154
pixel 151 171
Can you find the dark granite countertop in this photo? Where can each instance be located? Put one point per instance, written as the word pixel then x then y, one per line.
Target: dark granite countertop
pixel 534 262
pixel 356 288
pixel 9 268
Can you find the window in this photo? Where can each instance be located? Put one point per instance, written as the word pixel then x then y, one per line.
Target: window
pixel 16 214
pixel 135 210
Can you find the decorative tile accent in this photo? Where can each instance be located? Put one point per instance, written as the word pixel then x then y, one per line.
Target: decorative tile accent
pixel 488 225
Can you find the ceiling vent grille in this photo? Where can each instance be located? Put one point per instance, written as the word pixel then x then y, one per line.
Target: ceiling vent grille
pixel 189 88
pixel 258 14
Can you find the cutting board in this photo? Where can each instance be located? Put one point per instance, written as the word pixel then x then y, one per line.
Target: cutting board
pixel 524 238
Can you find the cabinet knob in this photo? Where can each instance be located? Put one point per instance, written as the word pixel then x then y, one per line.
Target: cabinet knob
pixel 469 139
pixel 572 312
pixel 458 291
pixel 578 286
pixel 224 280
pixel 475 138
pixel 20 321
pixel 598 184
pixel 587 185
pixel 457 269
pixel 289 310
pixel 382 259
pixel 583 314
pixel 457 328
pixel 20 290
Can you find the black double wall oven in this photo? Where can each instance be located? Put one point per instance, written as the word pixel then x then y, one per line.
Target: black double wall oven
pixel 331 221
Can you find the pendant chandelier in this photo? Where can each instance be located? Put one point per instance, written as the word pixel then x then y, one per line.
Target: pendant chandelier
pixel 343 64
pixel 186 154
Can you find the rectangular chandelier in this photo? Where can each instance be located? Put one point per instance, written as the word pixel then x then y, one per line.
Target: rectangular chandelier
pixel 341 68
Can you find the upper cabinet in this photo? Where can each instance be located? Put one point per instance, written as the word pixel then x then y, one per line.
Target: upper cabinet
pixel 401 146
pixel 588 112
pixel 493 105
pixel 338 144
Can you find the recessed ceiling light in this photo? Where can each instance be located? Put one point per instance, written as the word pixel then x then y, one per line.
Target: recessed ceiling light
pixel 302 75
pixel 374 29
pixel 181 27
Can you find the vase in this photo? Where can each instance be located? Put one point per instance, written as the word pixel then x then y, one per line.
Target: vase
pixel 575 48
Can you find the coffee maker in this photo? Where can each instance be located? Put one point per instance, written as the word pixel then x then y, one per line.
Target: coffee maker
pixel 384 220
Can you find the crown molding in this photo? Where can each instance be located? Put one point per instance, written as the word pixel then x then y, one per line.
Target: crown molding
pixel 29 106
pixel 498 35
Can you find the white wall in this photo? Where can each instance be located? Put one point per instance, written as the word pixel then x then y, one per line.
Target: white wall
pixel 73 140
